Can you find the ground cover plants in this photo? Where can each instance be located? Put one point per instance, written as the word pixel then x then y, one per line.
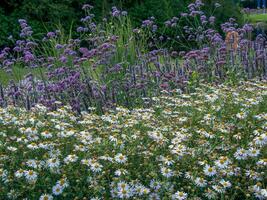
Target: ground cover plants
pixel 210 144
pixel 113 111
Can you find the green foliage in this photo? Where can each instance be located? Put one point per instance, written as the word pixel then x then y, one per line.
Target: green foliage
pixel 46 14
pixel 162 10
pixel 254 18
pixel 42 15
pixel 228 9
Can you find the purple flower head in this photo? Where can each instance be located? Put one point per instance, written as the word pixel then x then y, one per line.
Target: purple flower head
pixel 203 19
pixel 31 45
pixel 154 28
pixel 63 59
pixel 87 6
pixel 147 23
pixel 195 13
pixel 248 28
pixel 28 56
pixel 199 3
pixel 115 12
pixel 184 14
pixel 51 35
pixel 59 46
pixel 167 23
pixel 212 20
pixel 191 7
pixel 80 29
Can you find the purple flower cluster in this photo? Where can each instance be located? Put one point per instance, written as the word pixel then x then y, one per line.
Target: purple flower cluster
pixel 117 13
pixel 26 30
pixel 86 71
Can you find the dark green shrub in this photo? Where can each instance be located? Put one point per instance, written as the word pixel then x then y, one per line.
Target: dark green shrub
pixel 47 14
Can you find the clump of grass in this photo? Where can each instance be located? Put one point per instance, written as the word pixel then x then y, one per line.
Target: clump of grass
pixel 255 18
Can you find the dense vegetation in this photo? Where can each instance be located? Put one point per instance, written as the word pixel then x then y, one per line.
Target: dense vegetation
pixel 146 100
pixel 49 14
pixel 210 144
pixel 113 63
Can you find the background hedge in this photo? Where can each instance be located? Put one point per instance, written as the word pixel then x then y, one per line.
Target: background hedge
pixel 45 15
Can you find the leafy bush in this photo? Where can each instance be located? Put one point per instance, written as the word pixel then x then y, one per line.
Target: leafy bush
pixel 43 15
pixel 48 14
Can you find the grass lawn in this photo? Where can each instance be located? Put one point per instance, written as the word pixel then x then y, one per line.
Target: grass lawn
pixel 254 18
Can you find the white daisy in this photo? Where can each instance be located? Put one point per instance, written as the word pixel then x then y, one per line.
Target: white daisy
pixel 253 152
pixel 179 195
pixel 240 154
pixel 57 189
pixel 30 175
pixel 201 182
pixel 120 158
pixel 209 171
pixel 46 197
pixel 19 173
pixel 166 172
pixel 225 184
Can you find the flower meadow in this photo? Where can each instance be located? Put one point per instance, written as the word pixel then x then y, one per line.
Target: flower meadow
pixel 114 111
pixel 110 63
pixel 210 144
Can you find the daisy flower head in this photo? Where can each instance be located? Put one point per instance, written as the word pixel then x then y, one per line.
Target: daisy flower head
pixel 120 158
pixel 166 172
pixel 64 183
pixel 30 175
pixel 222 162
pixel 154 196
pixel 19 173
pixel 253 152
pixel 57 190
pixel 31 163
pixel 240 154
pixel 71 158
pixel 145 191
pixel 53 163
pixel 241 115
pixel 179 195
pixel 124 190
pixel 156 185
pixel 225 184
pixel 209 170
pixel 200 182
pixel 261 140
pixel 96 167
pixel 218 188
pixel 46 134
pixel 46 197
pixel 262 162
